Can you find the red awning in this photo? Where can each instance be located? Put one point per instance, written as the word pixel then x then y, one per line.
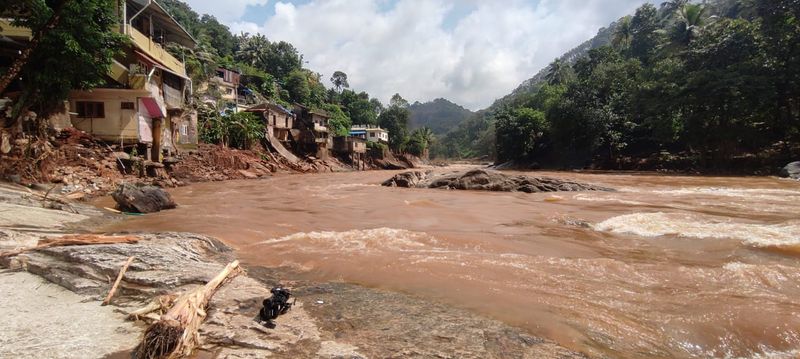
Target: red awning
pixel 151 107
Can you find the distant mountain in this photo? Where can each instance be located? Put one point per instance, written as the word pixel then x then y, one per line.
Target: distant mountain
pixel 439 115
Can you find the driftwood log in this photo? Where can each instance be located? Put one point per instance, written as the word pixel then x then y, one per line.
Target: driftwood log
pixel 175 334
pixel 116 282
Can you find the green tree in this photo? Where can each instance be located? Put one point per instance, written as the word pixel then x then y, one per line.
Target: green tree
pixel 623 33
pixel 420 141
pixel 339 123
pixel 518 133
pixel 644 28
pixel 691 21
pixel 76 51
pixel 559 73
pixel 395 120
pixel 296 84
pixel 339 81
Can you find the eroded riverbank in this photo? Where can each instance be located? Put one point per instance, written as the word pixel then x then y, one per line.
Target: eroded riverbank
pixel 665 267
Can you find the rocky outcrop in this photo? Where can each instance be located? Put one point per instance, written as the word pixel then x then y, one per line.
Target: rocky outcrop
pixel 483 180
pixel 140 198
pixel 791 170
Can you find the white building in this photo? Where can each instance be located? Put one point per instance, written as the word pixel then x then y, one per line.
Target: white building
pixel 370 133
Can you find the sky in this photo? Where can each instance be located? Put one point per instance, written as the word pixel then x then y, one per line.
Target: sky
pixel 470 52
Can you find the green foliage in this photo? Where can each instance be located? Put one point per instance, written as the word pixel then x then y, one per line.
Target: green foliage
pixel 419 141
pixel 76 54
pixel 395 120
pixel 684 79
pixel 439 115
pixel 339 80
pixel 518 132
pixel 359 107
pixel 240 130
pixel 339 123
pixel 297 87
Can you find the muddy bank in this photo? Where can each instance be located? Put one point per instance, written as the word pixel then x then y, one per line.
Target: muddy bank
pixel 330 320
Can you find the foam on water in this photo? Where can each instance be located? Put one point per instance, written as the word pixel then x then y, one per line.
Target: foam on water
pixel 770 194
pixel 378 239
pixel 695 226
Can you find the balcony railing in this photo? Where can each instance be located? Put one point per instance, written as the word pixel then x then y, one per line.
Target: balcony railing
pixel 156 51
pixel 320 128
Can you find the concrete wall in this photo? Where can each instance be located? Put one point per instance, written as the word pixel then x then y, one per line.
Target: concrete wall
pixel 117 125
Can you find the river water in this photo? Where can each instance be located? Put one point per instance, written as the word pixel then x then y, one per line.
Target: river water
pixel 667 266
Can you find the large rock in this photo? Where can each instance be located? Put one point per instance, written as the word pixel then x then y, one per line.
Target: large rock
pixel 142 198
pixel 791 170
pixel 483 180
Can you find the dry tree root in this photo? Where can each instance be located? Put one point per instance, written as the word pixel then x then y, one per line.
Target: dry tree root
pixel 176 334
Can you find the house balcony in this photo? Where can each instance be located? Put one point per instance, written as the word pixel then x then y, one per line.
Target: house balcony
pixel 320 128
pixel 156 51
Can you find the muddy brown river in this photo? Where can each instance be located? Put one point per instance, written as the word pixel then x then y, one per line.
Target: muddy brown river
pixel 667 267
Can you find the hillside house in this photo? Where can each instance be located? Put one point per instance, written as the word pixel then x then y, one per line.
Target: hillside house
pixel 143 101
pixel 370 133
pixel 278 119
pixel 313 135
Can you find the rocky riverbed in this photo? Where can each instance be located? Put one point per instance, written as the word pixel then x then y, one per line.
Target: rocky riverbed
pixel 55 296
pixel 485 180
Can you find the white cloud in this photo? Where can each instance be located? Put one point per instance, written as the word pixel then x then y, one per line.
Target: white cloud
pixel 226 11
pixel 405 49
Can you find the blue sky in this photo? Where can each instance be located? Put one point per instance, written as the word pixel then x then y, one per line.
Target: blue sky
pixel 468 51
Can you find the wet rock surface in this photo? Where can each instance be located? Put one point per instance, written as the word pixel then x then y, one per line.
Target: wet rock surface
pixel 483 180
pixel 141 198
pixel 791 170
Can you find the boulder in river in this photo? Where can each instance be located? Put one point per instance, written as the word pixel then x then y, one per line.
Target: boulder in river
pixel 791 170
pixel 141 198
pixel 483 180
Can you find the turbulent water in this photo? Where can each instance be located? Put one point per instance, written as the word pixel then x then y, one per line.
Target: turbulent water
pixel 665 267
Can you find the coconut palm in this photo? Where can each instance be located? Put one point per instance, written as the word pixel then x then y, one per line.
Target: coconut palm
pixel 623 33
pixel 671 7
pixel 691 21
pixel 558 72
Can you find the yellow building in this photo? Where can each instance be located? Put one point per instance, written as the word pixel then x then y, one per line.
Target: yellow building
pixel 147 88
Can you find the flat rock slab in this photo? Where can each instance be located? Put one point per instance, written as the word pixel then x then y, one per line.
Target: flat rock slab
pixel 39 319
pixel 483 180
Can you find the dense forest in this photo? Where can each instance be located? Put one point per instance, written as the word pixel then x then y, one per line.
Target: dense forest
pixel 440 115
pixel 710 82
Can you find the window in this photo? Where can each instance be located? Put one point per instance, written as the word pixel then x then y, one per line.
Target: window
pixel 221 74
pixel 372 134
pixel 126 106
pixel 88 109
pixel 274 120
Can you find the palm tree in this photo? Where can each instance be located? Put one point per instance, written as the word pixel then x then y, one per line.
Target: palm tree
pixel 623 34
pixel 253 49
pixel 670 7
pixel 691 21
pixel 558 72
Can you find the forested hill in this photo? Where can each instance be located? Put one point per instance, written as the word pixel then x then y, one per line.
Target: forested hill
pixel 686 86
pixel 603 38
pixel 439 115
